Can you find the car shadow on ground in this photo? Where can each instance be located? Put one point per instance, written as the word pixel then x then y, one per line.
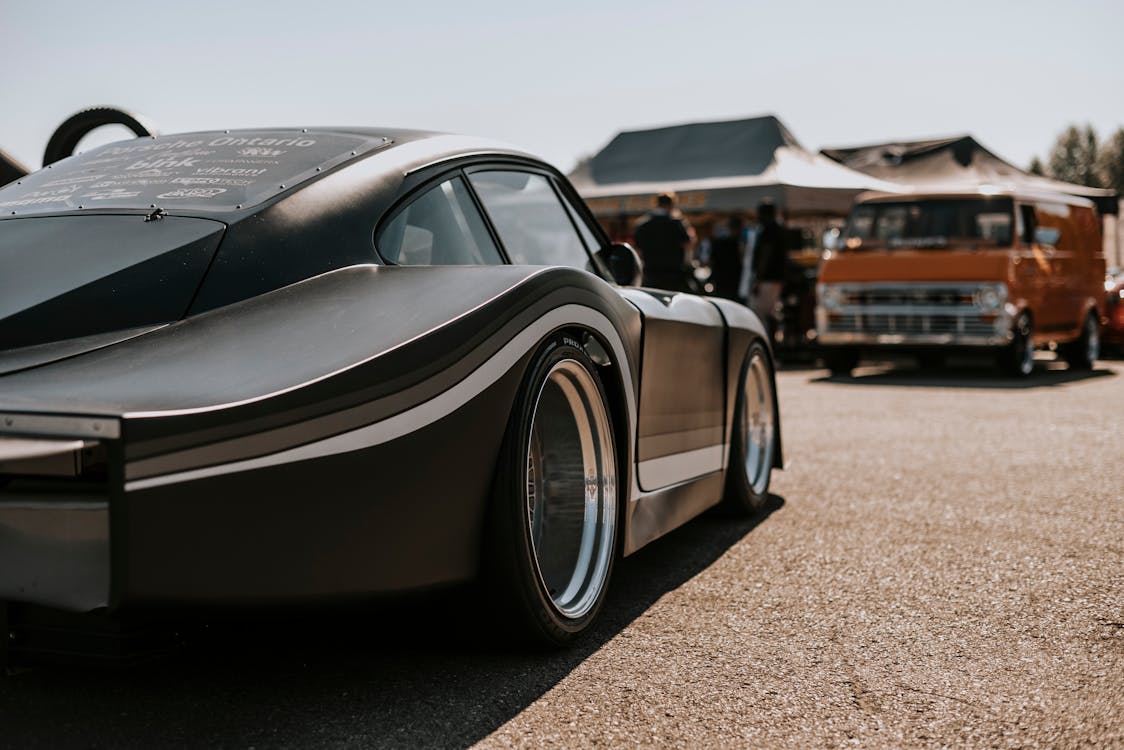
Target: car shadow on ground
pixel 1047 374
pixel 426 672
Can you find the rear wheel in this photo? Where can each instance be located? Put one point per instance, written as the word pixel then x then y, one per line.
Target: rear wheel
pixel 553 523
pixel 841 361
pixel 1082 354
pixel 753 438
pixel 1017 358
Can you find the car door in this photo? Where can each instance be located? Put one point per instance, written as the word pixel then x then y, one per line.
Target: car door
pixel 681 419
pixel 681 434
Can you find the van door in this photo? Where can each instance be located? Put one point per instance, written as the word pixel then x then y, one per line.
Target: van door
pixel 1057 235
pixel 1034 271
pixel 1080 251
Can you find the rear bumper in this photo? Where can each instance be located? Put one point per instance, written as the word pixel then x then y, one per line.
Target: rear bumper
pixel 54 548
pixel 54 510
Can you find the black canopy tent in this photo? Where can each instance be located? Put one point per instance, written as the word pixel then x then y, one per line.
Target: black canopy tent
pixel 959 160
pixel 717 167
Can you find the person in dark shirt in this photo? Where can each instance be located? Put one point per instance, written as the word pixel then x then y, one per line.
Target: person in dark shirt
pixel 726 248
pixel 770 261
pixel 664 239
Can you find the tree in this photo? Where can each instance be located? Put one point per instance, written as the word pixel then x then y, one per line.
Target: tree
pixel 1110 162
pixel 1037 167
pixel 1074 157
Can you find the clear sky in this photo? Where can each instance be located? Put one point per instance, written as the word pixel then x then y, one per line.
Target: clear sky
pixel 562 78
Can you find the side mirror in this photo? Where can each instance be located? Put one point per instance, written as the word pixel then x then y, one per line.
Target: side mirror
pixel 832 239
pixel 1047 235
pixel 622 262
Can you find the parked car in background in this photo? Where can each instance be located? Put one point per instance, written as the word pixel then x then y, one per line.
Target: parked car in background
pixel 1113 333
pixel 277 367
pixel 984 269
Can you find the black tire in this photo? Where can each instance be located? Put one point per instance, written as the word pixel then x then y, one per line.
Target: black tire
pixel 540 516
pixel 841 361
pixel 753 437
pixel 69 134
pixel 1017 358
pixel 930 361
pixel 1082 354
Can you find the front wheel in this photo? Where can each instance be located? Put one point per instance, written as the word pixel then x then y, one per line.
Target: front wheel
pixel 753 438
pixel 1017 358
pixel 553 523
pixel 1083 353
pixel 930 361
pixel 841 361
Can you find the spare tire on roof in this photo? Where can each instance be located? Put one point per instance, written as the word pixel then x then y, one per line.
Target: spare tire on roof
pixel 67 136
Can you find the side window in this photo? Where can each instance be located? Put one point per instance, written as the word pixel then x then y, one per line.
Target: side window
pixel 589 238
pixel 440 227
pixel 1028 224
pixel 531 222
pixel 591 242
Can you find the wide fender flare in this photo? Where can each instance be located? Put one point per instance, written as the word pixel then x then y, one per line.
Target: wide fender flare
pixel 741 320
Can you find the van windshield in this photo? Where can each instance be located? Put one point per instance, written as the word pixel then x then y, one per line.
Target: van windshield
pixel 931 223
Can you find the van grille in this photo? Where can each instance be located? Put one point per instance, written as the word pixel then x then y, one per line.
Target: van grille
pixel 907 324
pixel 907 296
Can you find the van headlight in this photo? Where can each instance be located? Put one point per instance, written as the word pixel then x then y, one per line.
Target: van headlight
pixel 831 297
pixel 990 297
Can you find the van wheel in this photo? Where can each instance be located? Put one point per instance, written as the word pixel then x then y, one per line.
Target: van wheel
pixel 930 361
pixel 1082 354
pixel 841 361
pixel 1017 358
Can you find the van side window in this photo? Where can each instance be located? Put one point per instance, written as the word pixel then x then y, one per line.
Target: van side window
pixel 1028 224
pixel 440 227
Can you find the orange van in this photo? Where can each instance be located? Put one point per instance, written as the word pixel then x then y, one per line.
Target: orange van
pixel 1002 271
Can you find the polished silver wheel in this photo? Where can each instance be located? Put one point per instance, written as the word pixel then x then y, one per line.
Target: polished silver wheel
pixel 757 424
pixel 571 488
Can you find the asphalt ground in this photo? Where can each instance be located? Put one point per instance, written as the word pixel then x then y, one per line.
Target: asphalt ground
pixel 943 566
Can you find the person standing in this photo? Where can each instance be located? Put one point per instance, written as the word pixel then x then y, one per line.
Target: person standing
pixel 745 283
pixel 725 258
pixel 770 261
pixel 664 239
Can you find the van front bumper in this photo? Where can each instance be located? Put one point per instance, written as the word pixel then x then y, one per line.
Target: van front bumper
pixel 853 338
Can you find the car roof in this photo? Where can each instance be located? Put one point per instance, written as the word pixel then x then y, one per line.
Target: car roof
pixel 228 172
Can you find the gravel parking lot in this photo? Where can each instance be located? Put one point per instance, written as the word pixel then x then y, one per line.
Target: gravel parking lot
pixel 944 566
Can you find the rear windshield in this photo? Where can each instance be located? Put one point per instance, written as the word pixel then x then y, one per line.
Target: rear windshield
pixel 217 171
pixel 930 223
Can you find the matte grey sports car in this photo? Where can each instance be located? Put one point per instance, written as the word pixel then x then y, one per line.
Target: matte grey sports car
pixel 286 366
